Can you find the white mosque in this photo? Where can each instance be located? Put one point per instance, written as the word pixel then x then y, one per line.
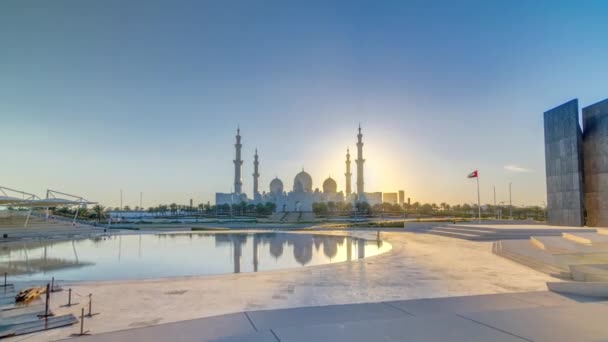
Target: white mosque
pixel 302 195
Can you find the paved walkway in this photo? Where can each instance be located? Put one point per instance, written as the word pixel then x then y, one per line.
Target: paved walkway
pixel 419 266
pixel 525 316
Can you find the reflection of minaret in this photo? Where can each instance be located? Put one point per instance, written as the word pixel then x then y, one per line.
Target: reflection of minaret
pixel 360 161
pixel 348 174
pixel 256 176
pixel 238 163
pixel 256 241
pixel 361 248
pixel 349 249
pixel 236 257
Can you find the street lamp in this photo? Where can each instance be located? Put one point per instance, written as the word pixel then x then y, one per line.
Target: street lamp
pixel 510 203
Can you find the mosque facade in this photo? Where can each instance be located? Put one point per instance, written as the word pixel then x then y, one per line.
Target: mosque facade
pixel 301 196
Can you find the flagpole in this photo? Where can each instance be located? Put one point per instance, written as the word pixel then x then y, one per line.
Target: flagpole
pixel 478 199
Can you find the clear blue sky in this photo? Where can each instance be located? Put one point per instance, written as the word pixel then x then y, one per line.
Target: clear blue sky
pixel 98 96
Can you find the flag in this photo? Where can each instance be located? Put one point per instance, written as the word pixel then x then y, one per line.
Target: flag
pixel 473 174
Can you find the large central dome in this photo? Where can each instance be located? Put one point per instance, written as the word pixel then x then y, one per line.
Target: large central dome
pixel 302 182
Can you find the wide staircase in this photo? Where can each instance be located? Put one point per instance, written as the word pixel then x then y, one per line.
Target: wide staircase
pixel 476 232
pixel 12 226
pixel 580 256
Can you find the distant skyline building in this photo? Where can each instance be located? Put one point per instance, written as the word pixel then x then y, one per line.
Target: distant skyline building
pixel 360 161
pixel 401 197
pixel 390 197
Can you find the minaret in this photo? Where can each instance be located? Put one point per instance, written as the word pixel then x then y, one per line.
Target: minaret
pixel 238 164
pixel 256 176
pixel 360 161
pixel 348 174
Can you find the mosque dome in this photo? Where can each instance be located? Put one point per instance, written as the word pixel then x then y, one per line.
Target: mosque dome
pixel 302 182
pixel 330 186
pixel 276 186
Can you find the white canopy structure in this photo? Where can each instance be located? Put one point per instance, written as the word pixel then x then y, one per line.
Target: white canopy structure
pixel 7 200
pixel 51 203
pixel 53 199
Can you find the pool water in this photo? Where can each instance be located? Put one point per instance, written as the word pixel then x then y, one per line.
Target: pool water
pixel 146 256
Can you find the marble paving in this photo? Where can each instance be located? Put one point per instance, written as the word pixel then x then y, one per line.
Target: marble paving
pixel 418 266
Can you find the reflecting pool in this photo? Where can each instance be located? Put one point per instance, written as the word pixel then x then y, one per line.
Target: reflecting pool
pixel 145 256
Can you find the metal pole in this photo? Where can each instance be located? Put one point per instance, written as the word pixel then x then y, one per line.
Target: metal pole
pixel 48 297
pixel 70 296
pixel 82 321
pixel 121 199
pixel 510 203
pixel 4 279
pixel 90 304
pixel 495 211
pixel 478 199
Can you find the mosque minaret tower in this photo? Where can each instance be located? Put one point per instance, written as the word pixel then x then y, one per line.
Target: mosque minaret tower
pixel 348 174
pixel 360 161
pixel 238 164
pixel 256 176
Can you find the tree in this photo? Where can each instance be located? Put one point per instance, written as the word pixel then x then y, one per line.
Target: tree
pixel 426 209
pixel 99 212
pixel 319 208
pixel 84 212
pixel 126 208
pixel 173 207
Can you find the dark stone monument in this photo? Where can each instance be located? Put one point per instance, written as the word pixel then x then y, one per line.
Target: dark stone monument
pixel 564 165
pixel 595 124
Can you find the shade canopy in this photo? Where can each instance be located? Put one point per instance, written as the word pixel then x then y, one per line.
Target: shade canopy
pixel 51 202
pixel 9 200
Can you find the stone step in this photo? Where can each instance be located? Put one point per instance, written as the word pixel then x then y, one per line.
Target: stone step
pixel 454 233
pixel 590 273
pixel 602 231
pixel 560 245
pixel 587 238
pixel 524 252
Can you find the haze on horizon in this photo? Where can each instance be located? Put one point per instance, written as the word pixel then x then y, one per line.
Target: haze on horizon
pixel 145 96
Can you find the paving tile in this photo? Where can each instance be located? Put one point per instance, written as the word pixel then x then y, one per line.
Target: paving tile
pixel 583 322
pixel 199 330
pixel 431 328
pixel 548 298
pixel 461 304
pixel 261 336
pixel 270 319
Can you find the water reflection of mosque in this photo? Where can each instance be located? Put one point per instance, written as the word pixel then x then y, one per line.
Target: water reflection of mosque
pixel 302 246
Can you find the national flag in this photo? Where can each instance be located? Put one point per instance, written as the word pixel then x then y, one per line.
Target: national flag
pixel 473 174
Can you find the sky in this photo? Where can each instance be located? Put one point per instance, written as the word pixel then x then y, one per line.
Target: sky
pixel 146 96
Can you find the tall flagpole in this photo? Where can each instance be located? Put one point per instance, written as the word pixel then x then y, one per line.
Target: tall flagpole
pixel 478 199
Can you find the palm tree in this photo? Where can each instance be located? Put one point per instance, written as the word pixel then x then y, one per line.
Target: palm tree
pixel 99 211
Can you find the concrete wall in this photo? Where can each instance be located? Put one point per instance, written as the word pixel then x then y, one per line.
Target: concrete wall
pixel 564 165
pixel 595 146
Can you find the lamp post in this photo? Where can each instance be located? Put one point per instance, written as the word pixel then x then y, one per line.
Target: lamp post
pixel 510 203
